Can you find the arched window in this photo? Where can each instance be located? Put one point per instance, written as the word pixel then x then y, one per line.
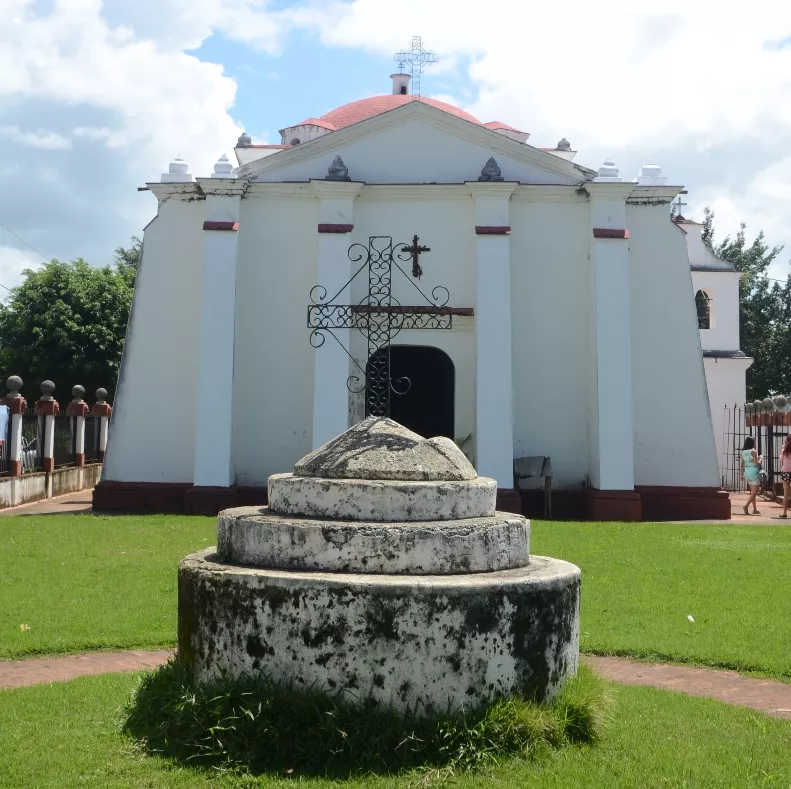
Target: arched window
pixel 295 141
pixel 703 306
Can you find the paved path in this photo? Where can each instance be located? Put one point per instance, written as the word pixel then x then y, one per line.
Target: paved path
pixel 79 501
pixel 770 697
pixel 35 671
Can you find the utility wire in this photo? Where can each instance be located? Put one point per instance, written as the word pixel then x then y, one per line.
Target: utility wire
pixel 29 246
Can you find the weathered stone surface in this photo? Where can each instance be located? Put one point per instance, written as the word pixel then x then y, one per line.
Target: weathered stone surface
pixel 412 642
pixel 257 537
pixel 379 500
pixel 379 448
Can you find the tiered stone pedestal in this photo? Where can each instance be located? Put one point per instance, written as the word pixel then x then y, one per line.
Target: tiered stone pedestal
pixel 417 613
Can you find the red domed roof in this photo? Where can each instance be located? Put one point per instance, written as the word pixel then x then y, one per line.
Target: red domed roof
pixel 361 110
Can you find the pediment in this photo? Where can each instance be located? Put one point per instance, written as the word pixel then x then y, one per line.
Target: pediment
pixel 415 144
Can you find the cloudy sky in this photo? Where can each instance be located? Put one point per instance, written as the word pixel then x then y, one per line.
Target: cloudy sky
pixel 97 96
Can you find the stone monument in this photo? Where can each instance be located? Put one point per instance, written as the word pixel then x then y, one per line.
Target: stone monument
pixel 381 571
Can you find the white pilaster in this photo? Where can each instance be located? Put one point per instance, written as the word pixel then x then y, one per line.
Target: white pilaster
pixel 331 370
pixel 494 428
pixel 213 466
pixel 611 421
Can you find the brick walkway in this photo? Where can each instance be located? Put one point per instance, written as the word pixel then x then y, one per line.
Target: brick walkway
pixel 35 671
pixel 772 698
pixel 767 696
pixel 79 501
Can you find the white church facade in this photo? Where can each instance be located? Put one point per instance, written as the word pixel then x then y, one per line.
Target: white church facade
pixel 551 317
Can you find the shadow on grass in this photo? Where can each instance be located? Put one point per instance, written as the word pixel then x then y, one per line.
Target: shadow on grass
pixel 264 727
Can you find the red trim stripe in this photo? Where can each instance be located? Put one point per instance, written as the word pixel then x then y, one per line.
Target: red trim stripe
pixel 492 230
pixel 208 225
pixel 464 312
pixel 610 232
pixel 330 228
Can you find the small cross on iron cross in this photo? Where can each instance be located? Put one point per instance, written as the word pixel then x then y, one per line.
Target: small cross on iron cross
pixel 415 250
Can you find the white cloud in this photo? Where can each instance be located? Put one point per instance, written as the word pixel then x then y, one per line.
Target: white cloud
pixel 13 262
pixel 47 140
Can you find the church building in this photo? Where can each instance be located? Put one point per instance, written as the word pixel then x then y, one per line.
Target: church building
pixel 398 256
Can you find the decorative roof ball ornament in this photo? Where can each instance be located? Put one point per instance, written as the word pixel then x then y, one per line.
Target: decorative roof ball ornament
pixel 223 168
pixel 178 172
pixel 491 171
pixel 608 172
pixel 651 175
pixel 244 141
pixel 564 145
pixel 337 171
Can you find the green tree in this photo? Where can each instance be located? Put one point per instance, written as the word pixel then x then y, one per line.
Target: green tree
pixel 67 322
pixel 765 309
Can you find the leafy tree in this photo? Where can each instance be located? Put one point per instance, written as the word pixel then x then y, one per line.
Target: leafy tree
pixel 765 309
pixel 67 322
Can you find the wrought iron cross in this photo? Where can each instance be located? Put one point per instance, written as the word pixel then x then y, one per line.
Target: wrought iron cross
pixel 678 204
pixel 416 58
pixel 415 250
pixel 378 316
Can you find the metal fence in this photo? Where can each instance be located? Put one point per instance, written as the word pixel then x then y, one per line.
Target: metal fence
pixel 64 443
pixel 769 427
pixel 92 438
pixel 32 441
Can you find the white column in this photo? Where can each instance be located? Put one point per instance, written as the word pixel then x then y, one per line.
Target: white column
pixel 213 416
pixel 494 428
pixel 611 422
pixel 15 449
pixel 333 269
pixel 103 432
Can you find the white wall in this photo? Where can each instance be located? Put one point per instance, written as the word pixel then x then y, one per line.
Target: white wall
pixel 722 287
pixel 153 433
pixel 273 363
pixel 550 309
pixel 413 152
pixel 674 438
pixel 727 388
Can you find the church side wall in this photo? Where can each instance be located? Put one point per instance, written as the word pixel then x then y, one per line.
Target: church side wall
pixel 153 424
pixel 673 434
pixel 273 360
pixel 550 314
pixel 726 380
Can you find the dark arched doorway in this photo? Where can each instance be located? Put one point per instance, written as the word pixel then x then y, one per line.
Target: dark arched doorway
pixel 428 407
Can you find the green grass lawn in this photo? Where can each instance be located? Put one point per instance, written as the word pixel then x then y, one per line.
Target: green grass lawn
pixel 66 735
pixel 90 582
pixel 83 582
pixel 641 581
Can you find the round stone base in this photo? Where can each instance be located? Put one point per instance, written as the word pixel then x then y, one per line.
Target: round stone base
pixel 257 537
pixel 424 643
pixel 381 500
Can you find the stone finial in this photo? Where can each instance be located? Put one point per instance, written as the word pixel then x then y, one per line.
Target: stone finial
pixel 178 172
pixel 14 384
pixel 651 175
pixel 564 145
pixel 78 393
pixel 223 168
pixel 244 141
pixel 47 388
pixel 608 172
pixel 749 408
pixel 101 396
pixel 491 171
pixel 768 404
pixel 781 402
pixel 337 171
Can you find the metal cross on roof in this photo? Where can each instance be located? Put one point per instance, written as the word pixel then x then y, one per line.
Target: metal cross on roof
pixel 415 57
pixel 677 206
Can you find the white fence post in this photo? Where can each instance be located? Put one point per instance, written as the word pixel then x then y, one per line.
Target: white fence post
pixel 103 410
pixel 78 409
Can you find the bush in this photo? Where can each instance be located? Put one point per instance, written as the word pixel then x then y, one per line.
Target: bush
pixel 263 726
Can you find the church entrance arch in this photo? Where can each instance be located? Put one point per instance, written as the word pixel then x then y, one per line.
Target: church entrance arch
pixel 427 378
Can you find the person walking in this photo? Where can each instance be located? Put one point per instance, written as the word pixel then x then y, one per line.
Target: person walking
pixel 751 463
pixel 785 475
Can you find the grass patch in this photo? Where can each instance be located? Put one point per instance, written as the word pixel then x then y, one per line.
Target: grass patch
pixel 83 582
pixel 640 581
pixel 267 727
pixel 67 735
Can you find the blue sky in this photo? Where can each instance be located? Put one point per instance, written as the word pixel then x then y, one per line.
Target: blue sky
pixel 97 96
